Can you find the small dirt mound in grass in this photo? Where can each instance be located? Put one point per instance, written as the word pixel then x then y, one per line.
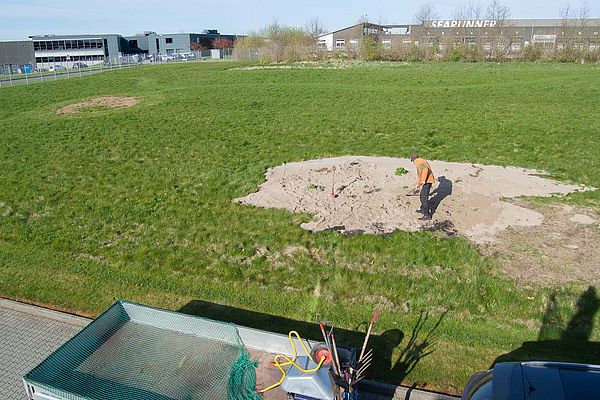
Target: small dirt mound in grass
pixel 103 102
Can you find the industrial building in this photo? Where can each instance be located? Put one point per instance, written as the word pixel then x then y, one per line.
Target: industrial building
pixel 16 56
pixel 68 51
pixel 173 43
pixel 514 33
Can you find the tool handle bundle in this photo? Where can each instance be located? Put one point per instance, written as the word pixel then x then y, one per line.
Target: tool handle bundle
pixel 346 376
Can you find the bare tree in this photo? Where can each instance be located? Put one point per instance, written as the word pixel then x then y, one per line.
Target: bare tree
pixel 583 13
pixel 501 42
pixel 566 14
pixel 315 28
pixel 363 19
pixel 498 11
pixel 426 12
pixel 470 10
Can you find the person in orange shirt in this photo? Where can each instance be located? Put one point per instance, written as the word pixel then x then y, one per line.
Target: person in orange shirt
pixel 425 180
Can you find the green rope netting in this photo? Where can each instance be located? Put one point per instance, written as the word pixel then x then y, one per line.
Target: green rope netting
pixel 242 379
pixel 136 352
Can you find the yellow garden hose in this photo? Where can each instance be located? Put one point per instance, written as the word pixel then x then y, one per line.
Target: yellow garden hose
pixel 291 361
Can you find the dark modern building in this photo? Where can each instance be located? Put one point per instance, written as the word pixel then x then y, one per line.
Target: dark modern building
pixel 17 56
pixel 514 33
pixel 174 43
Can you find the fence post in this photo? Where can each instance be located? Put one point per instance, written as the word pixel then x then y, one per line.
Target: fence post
pixel 10 74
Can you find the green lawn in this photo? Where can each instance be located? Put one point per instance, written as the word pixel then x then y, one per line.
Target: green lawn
pixel 136 203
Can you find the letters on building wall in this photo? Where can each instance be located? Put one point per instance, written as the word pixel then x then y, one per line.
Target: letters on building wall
pixel 469 23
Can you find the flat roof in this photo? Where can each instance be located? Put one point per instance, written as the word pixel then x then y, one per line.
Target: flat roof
pixel 83 36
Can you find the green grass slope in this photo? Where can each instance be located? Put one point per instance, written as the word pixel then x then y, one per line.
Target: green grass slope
pixel 136 203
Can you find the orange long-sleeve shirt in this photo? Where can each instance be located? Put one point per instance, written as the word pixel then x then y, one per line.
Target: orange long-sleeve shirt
pixel 424 172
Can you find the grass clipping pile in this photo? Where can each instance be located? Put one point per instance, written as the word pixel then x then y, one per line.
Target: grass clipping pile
pixel 99 102
pixel 467 199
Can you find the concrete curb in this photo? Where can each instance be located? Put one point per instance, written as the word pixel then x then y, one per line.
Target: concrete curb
pixel 44 313
pixel 381 391
pixel 393 392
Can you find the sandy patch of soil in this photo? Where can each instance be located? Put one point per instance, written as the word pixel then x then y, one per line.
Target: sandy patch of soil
pixel 370 198
pixel 543 245
pixel 108 102
pixel 564 248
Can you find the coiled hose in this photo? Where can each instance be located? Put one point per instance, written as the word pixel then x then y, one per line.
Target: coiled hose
pixel 291 361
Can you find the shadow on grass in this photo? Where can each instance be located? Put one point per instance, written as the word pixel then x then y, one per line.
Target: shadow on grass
pixel 421 341
pixel 560 342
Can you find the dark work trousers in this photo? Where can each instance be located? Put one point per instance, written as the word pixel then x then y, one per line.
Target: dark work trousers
pixel 425 189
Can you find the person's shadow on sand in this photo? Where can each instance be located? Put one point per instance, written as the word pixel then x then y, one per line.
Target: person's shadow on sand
pixel 443 190
pixel 560 342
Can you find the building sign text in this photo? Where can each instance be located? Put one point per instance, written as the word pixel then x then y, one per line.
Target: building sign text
pixel 469 23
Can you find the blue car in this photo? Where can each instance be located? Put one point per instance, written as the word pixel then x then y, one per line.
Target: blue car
pixel 536 380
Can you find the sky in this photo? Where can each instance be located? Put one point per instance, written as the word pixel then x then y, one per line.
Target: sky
pixel 22 18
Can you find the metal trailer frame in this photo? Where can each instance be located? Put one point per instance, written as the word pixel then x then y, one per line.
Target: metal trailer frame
pixel 251 338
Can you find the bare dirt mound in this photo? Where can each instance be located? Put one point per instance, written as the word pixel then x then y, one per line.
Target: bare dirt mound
pixel 371 198
pixel 105 102
pixel 468 199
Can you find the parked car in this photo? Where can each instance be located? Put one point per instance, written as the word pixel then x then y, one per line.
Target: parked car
pixel 78 65
pixel 537 380
pixel 56 68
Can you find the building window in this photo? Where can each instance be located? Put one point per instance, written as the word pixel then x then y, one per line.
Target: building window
pixel 169 40
pixel 339 43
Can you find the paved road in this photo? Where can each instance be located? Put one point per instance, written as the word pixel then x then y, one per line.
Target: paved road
pixel 28 334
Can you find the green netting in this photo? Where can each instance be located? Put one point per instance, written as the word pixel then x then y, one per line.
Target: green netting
pixel 142 353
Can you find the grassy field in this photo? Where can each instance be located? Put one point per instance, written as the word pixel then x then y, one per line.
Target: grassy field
pixel 136 203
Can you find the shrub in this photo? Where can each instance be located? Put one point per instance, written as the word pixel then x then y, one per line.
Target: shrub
pixel 532 52
pixel 370 49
